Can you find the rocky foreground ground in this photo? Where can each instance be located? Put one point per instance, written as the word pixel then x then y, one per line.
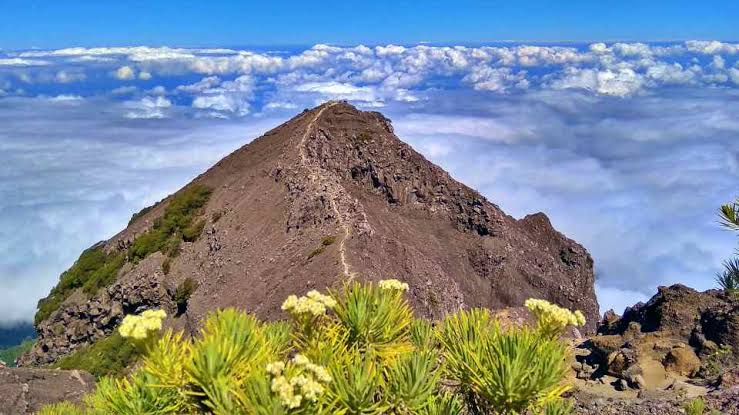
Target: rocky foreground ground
pixel 25 391
pixel 659 355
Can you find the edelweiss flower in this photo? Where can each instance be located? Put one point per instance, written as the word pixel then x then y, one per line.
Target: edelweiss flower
pixel 139 327
pixel 313 303
pixel 393 285
pixel 553 318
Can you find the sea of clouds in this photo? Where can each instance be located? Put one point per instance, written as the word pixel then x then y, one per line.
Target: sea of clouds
pixel 628 147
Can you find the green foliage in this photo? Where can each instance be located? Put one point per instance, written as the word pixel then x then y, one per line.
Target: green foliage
pixel 412 380
pixel 557 407
pixel 729 215
pixel 728 279
pixel 107 357
pixel 178 223
pixel 377 320
pixel 134 396
pixel 325 242
pixel 96 269
pixel 509 371
pixel 363 354
pixel 62 408
pixel 183 292
pixel 716 362
pixel 695 407
pixel 8 355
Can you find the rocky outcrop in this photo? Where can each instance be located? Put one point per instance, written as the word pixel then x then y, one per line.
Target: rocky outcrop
pixel 26 391
pixel 83 321
pixel 333 195
pixel 660 353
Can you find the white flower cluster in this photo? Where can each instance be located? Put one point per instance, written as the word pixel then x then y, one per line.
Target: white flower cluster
pixel 393 285
pixel 308 384
pixel 553 316
pixel 139 327
pixel 313 303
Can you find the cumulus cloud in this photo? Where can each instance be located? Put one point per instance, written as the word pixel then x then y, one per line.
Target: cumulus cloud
pixel 148 108
pixel 125 73
pixel 22 62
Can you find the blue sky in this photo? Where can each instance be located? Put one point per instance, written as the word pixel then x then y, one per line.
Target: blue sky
pixel 46 24
pixel 628 146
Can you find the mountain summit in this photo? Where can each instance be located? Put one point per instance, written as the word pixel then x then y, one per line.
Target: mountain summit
pixel 330 196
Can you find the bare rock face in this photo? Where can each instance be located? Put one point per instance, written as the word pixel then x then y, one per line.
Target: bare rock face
pixel 26 391
pixel 331 196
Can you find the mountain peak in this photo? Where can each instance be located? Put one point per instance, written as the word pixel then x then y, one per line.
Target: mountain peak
pixel 330 196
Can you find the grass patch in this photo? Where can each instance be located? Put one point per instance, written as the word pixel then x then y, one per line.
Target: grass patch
pixel 107 357
pixel 9 354
pixel 177 223
pixel 96 269
pixel 325 242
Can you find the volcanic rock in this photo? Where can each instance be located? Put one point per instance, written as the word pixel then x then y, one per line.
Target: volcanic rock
pixel 26 391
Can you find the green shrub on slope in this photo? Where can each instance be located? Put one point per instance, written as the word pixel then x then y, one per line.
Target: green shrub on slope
pixel 107 357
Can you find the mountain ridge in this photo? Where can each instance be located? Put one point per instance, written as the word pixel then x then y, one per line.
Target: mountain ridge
pixel 329 196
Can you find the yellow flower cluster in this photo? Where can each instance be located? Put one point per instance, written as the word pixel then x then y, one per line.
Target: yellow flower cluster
pixel 138 327
pixel 393 285
pixel 313 303
pixel 308 384
pixel 553 316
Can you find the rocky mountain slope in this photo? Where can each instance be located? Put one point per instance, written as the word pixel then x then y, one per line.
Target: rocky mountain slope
pixel 329 196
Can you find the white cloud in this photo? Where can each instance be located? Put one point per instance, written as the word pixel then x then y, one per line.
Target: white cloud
pixel 66 98
pixel 229 97
pixel 144 76
pixel 200 86
pixel 148 108
pixel 65 77
pixel 22 62
pixel 124 90
pixel 125 73
pixel 621 83
pixel 712 47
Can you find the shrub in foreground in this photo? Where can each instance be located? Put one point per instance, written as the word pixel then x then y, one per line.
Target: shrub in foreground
pixel 353 351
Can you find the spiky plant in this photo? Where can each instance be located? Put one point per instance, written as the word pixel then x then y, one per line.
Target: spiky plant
pixel 356 386
pixel 136 395
pixel 729 215
pixel 62 408
pixel 728 279
pixel 423 335
pixel 411 381
pixel 445 403
pixel 556 407
pixel 232 344
pixel 377 319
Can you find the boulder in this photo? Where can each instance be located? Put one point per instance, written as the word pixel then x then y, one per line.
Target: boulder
pixel 682 360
